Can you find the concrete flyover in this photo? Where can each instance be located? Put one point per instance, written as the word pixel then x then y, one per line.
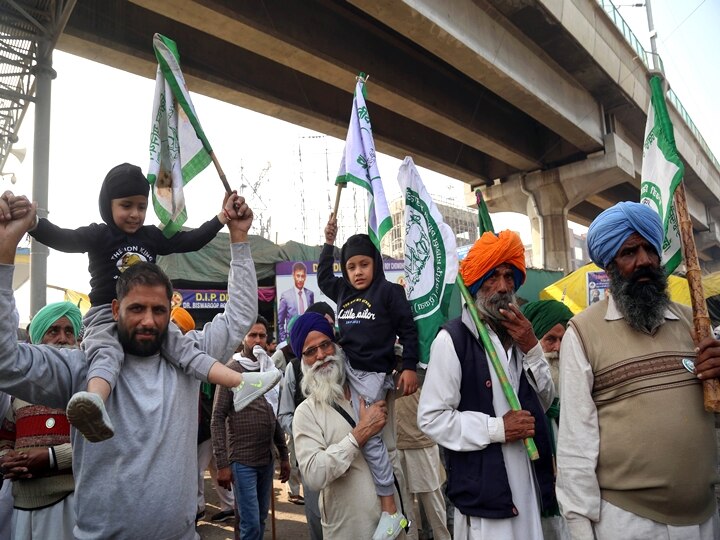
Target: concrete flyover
pixel 542 101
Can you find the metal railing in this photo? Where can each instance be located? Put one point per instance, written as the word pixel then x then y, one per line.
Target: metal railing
pixel 612 12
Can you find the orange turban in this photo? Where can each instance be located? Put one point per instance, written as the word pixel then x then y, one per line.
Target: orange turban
pixel 182 319
pixel 488 253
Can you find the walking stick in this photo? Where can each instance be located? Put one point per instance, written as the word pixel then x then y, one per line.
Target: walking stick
pixel 495 361
pixel 272 508
pixel 701 318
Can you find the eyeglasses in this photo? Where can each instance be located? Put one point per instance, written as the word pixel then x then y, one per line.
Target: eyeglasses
pixel 326 346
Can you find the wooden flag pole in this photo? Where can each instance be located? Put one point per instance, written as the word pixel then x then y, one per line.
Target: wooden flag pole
pixel 337 199
pixel 701 318
pixel 223 178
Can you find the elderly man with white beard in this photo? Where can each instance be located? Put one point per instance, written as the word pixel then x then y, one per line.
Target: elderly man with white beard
pixel 329 435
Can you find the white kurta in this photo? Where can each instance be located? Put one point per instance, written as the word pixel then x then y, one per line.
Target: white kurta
pixel 467 431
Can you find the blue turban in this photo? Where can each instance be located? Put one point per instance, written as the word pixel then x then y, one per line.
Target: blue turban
pixel 47 316
pixel 304 324
pixel 608 232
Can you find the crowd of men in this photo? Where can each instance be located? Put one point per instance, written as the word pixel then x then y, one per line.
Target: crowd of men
pixel 612 398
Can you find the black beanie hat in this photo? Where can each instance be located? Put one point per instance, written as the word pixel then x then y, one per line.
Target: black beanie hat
pixel 121 181
pixel 358 244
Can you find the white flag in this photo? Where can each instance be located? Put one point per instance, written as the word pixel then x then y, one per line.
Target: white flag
pixel 431 261
pixel 662 172
pixel 359 166
pixel 179 150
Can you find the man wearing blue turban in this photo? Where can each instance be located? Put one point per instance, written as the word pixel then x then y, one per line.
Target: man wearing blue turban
pixel 35 444
pixel 636 451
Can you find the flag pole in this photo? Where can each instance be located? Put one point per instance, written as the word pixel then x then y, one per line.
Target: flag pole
pixel 495 361
pixel 337 199
pixel 223 178
pixel 701 318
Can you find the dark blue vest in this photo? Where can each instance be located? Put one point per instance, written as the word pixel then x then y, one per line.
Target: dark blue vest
pixel 477 481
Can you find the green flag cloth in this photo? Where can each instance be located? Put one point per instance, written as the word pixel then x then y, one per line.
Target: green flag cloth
pixel 431 262
pixel 662 172
pixel 179 150
pixel 484 221
pixel 359 166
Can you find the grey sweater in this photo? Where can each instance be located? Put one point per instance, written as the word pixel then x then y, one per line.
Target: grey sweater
pixel 142 483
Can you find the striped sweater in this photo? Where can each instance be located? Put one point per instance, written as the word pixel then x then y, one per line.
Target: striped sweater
pixel 33 426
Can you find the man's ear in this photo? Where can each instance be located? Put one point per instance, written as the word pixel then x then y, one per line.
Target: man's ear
pixel 115 308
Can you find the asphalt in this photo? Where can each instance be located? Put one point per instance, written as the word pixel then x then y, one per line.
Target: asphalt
pixel 289 519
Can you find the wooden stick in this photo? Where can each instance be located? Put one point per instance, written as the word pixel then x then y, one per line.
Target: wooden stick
pixel 272 507
pixel 337 199
pixel 223 178
pixel 701 319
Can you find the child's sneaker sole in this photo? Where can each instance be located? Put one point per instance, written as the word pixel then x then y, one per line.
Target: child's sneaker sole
pixel 84 413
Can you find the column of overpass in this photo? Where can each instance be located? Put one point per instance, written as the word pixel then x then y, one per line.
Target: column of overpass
pixel 548 196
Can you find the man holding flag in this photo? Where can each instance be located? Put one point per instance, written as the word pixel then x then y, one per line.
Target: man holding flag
pixel 636 449
pixel 494 486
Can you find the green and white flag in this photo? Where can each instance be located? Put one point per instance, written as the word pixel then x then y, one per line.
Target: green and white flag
pixel 179 150
pixel 662 172
pixel 359 166
pixel 431 261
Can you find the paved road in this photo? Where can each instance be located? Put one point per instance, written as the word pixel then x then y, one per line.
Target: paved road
pixel 289 518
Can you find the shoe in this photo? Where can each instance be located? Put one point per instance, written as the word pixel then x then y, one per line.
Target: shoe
pixel 296 499
pixel 221 517
pixel 86 411
pixel 390 526
pixel 200 515
pixel 254 385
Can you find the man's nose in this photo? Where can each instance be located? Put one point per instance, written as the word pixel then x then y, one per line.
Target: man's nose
pixel 643 257
pixel 320 355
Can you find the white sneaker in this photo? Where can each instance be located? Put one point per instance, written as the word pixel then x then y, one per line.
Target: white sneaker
pixel 389 526
pixel 254 385
pixel 86 411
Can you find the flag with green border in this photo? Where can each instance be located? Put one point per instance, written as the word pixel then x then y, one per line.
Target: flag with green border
pixel 431 260
pixel 359 165
pixel 485 223
pixel 179 150
pixel 662 172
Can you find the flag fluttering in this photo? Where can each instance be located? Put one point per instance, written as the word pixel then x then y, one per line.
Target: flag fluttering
pixel 485 223
pixel 359 165
pixel 431 262
pixel 179 149
pixel 662 172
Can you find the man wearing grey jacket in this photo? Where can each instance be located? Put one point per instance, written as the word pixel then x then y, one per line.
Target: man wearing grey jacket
pixel 141 483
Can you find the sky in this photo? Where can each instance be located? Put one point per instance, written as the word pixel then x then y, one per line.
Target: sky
pixel 101 117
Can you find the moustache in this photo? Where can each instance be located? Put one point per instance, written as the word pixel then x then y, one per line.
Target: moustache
pixel 146 332
pixel 652 274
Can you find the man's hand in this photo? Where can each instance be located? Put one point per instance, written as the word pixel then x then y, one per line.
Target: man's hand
pixel 408 382
pixel 284 471
pixel 224 478
pixel 518 425
pixel 29 463
pixel 372 420
pixel 331 230
pixel 12 230
pixel 519 328
pixel 241 218
pixel 13 206
pixel 707 363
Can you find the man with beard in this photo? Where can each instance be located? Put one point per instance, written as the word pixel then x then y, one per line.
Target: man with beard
pixel 35 444
pixel 497 491
pixel 329 435
pixel 140 484
pixel 242 441
pixel 636 454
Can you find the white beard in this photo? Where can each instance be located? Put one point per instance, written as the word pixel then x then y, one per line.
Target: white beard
pixel 324 384
pixel 553 358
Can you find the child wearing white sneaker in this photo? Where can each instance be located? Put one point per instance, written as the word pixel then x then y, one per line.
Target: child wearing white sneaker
pixel 114 247
pixel 371 312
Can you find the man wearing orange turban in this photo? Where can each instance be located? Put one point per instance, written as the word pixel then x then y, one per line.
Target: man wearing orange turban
pixel 491 481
